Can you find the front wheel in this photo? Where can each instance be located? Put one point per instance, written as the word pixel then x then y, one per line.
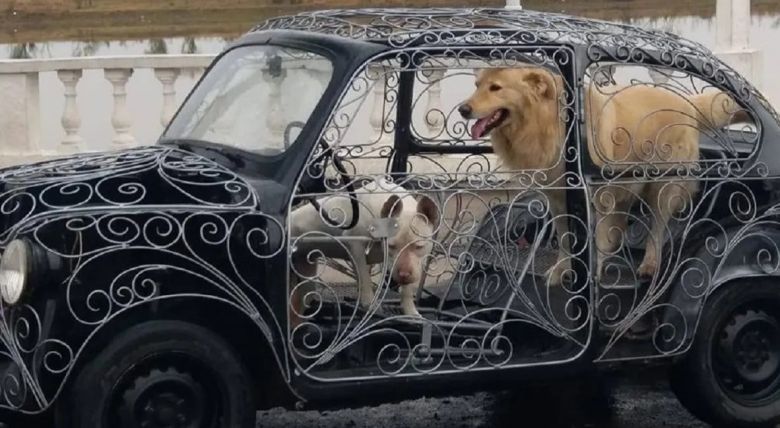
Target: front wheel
pixel 162 374
pixel 731 375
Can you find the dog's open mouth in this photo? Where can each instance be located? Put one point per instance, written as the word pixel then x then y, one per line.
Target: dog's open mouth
pixel 486 124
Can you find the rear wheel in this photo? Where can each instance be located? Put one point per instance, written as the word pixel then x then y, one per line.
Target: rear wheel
pixel 731 375
pixel 163 374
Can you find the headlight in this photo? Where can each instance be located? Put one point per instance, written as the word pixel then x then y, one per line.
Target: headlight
pixel 14 269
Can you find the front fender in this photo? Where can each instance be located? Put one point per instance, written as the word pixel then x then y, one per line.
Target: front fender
pixel 118 261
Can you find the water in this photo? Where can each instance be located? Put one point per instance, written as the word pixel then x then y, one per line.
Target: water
pixel 80 28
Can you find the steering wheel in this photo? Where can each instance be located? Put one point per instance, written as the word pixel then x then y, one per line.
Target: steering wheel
pixel 309 184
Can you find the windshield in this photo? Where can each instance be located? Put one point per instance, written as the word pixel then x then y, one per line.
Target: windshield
pixel 255 98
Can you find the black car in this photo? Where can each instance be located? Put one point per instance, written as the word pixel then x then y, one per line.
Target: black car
pixel 157 286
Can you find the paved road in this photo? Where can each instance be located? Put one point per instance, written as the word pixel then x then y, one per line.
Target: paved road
pixel 635 406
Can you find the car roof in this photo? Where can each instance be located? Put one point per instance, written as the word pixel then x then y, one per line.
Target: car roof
pixel 487 26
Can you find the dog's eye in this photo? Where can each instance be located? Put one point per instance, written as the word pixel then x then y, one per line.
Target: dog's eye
pixel 392 246
pixel 494 87
pixel 419 245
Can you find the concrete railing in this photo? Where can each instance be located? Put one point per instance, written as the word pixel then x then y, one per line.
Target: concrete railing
pixel 26 132
pixel 20 110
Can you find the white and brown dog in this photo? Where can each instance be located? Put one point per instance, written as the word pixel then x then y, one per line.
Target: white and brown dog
pixel 416 221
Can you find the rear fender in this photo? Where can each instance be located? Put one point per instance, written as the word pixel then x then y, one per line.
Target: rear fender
pixel 751 251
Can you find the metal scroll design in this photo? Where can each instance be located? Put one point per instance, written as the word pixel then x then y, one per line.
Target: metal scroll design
pixel 483 288
pixel 117 180
pixel 442 26
pixel 670 200
pixel 122 261
pixel 130 229
pixel 434 124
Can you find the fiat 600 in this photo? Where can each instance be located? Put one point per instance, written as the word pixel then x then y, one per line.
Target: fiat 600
pixel 367 205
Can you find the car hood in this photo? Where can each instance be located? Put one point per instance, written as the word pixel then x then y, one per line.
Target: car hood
pixel 155 176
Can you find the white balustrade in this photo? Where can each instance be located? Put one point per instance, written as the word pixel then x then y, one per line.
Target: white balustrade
pixel 20 86
pixel 20 113
pixel 167 76
pixel 71 120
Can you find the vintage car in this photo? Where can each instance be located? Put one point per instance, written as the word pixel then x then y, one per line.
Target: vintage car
pixel 181 284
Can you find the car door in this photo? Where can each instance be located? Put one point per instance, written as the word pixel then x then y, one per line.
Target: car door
pixel 666 155
pixel 483 285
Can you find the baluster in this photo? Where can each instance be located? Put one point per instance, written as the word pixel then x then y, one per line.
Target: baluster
pixel 275 119
pixel 377 119
pixel 167 76
pixel 120 119
pixel 71 120
pixel 434 113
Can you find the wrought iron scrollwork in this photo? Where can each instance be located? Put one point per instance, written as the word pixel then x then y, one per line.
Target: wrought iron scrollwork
pixel 125 244
pixel 484 280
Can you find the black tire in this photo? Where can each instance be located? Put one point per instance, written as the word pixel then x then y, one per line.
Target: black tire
pixel 161 370
pixel 731 375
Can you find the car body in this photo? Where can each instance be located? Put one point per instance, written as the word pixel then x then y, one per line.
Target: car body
pixel 192 235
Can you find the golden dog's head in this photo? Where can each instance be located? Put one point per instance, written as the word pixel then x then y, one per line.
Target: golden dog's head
pixel 507 95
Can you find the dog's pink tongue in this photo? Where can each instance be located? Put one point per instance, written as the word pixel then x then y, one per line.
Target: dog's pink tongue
pixel 478 129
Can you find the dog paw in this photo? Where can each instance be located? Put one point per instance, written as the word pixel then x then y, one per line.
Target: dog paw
pixel 411 312
pixel 365 300
pixel 647 269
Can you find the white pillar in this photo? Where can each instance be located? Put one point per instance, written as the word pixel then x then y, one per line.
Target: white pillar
pixel 121 117
pixel 513 4
pixel 167 76
pixel 732 20
pixel 20 125
pixel 71 119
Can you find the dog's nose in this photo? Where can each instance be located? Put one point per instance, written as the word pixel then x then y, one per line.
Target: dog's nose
pixel 465 111
pixel 404 276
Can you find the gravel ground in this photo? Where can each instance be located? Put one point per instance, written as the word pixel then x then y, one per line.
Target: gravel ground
pixel 634 406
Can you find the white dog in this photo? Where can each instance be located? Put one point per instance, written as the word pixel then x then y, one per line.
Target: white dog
pixel 407 249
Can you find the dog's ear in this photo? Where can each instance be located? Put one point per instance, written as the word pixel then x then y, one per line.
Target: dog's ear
pixel 542 82
pixel 392 207
pixel 428 209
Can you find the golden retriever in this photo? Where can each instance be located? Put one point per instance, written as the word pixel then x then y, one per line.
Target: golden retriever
pixel 521 110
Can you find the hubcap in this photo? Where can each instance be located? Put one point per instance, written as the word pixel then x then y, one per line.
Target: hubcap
pixel 166 398
pixel 747 356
